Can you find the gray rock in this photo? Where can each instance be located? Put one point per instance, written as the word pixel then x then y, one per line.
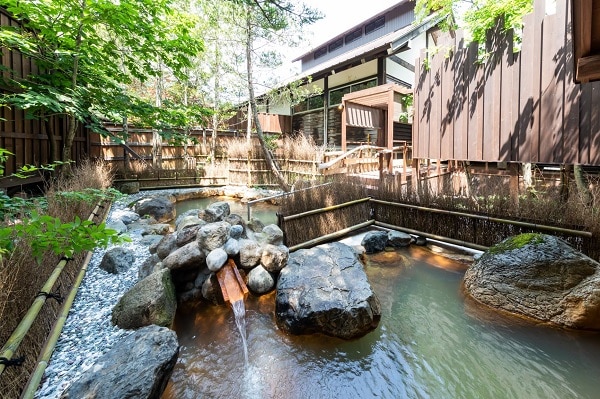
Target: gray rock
pixel 398 239
pixel 273 234
pixel 132 187
pixel 167 245
pixel 151 241
pixel 421 241
pixel 236 231
pixel 250 253
pixel 374 241
pixel 117 225
pixel 160 208
pixel 187 234
pixel 260 281
pixel 210 289
pixel 117 260
pixel 216 259
pixel 325 290
pixel 274 257
pixel 538 276
pixel 150 265
pixel 127 216
pixel 191 212
pixel 232 247
pixel 236 220
pixel 147 228
pixel 187 257
pixel 150 301
pixel 216 212
pixel 189 221
pixel 213 235
pixel 139 366
pixel 255 225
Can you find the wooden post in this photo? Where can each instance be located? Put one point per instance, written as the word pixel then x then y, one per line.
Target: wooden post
pixel 343 125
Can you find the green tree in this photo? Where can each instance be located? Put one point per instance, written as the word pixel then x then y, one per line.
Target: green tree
pixel 88 51
pixel 479 15
pixel 268 21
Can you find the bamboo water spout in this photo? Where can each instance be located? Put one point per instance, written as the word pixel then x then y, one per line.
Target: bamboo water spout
pixel 232 285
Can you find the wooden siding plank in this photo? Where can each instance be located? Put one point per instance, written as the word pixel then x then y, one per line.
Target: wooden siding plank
pixel 539 12
pixel 507 100
pixel 585 123
pixel 475 124
pixel 460 99
pixel 572 90
pixel 595 125
pixel 447 113
pixel 527 97
pixel 416 99
pixel 551 109
pixel 436 108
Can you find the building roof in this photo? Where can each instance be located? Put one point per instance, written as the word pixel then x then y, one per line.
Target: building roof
pixel 391 43
pixel 400 3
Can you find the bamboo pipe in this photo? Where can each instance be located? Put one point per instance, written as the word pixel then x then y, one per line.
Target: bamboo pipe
pixel 331 236
pixel 326 209
pixel 44 358
pixel 13 342
pixel 490 219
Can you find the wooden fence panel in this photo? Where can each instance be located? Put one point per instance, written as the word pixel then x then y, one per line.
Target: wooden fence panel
pixel 522 107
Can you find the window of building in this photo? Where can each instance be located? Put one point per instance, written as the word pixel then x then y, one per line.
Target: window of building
pixel 309 104
pixel 352 36
pixel 373 26
pixel 336 44
pixel 335 96
pixel 320 52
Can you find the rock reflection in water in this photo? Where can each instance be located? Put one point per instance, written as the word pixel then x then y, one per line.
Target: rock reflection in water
pixel 426 346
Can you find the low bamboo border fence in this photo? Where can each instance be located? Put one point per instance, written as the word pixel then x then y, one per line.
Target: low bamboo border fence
pixel 16 338
pixel 465 229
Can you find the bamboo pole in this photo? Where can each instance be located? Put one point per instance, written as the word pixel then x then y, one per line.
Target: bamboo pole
pixel 490 219
pixel 14 341
pixel 331 236
pixel 44 357
pixel 327 209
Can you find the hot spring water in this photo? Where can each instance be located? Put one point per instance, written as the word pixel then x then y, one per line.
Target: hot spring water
pixel 430 343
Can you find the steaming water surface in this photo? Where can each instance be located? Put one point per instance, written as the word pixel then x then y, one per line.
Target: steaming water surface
pixel 430 343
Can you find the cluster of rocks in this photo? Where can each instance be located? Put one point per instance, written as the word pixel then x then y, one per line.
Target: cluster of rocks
pixel 185 258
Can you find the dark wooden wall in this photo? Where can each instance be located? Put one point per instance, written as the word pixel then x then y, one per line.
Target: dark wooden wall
pixel 25 137
pixel 517 106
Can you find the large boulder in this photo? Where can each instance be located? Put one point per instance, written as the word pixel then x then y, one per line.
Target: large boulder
pixel 325 290
pixel 139 366
pixel 117 260
pixel 190 256
pixel 150 301
pixel 538 276
pixel 160 208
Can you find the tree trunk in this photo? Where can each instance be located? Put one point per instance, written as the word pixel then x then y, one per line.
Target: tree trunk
pixel 272 165
pixel 72 121
pixel 565 173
